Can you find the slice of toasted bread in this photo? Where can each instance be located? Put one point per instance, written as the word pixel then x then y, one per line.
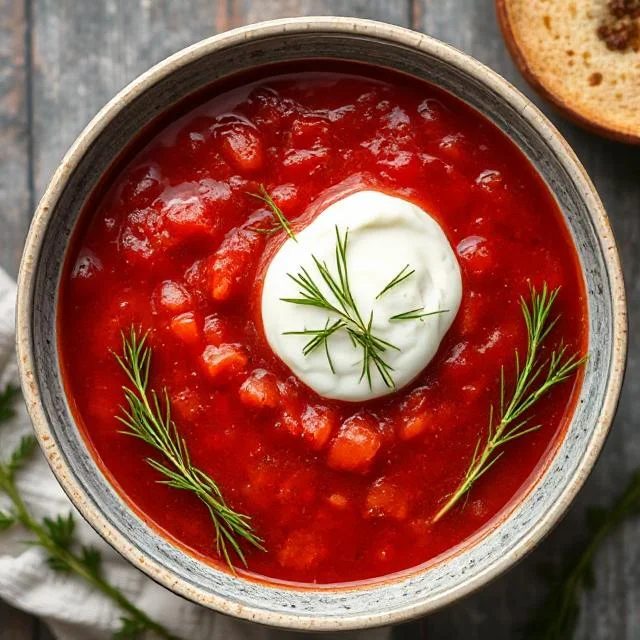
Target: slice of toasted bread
pixel 558 47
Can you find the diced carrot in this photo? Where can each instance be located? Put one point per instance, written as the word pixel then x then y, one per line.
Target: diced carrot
pixel 224 362
pixel 301 550
pixel 172 297
pixel 318 423
pixel 242 147
pixel 260 390
pixel 413 426
pixel 356 444
pixel 185 326
pixel 416 414
pixel 386 500
pixel 233 263
pixel 338 500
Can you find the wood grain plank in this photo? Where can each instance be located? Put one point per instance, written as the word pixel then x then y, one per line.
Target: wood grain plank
pixel 612 609
pixel 247 11
pixel 84 52
pixel 14 134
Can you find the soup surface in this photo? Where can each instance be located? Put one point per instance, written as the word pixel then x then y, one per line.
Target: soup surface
pixel 174 246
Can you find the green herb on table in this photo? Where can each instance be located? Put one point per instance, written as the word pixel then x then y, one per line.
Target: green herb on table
pixel 282 223
pixel 57 537
pixel 534 378
pixel 557 617
pixel 148 417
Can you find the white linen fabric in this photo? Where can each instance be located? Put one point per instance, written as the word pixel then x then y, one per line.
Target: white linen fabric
pixel 72 609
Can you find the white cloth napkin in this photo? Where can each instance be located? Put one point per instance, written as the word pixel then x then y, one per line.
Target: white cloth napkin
pixel 72 609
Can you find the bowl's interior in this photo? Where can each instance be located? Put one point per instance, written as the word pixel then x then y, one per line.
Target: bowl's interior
pixel 402 596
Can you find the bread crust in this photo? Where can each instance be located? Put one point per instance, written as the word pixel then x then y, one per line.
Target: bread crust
pixel 537 82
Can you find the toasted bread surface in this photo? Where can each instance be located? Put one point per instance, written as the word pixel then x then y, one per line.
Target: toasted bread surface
pixel 558 48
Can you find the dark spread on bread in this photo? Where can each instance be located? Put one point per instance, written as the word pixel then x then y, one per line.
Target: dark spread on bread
pixel 620 30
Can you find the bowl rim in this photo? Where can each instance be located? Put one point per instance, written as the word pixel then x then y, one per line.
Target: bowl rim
pixel 26 288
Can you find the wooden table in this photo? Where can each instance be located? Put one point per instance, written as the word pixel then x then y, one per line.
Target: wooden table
pixel 61 60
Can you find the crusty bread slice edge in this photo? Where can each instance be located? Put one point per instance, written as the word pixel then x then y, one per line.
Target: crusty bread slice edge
pixel 538 84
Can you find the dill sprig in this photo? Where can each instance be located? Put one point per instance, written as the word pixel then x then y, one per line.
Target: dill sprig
pixel 56 536
pixel 348 315
pixel 417 314
pixel 148 418
pixel 405 272
pixel 557 617
pixel 533 380
pixel 283 223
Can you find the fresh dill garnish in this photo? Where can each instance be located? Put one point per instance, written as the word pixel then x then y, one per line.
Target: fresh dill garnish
pixel 417 314
pixel 345 308
pixel 148 418
pixel 401 277
pixel 56 536
pixel 283 223
pixel 509 422
pixel 319 337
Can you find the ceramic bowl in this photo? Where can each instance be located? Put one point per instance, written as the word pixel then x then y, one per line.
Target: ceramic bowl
pixel 397 598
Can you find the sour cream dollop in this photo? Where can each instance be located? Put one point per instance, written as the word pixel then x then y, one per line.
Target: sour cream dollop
pixel 386 236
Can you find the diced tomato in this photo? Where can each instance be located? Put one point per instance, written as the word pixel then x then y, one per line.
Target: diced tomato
pixel 305 162
pixel 172 297
pixel 224 362
pixel 302 550
pixel 309 130
pixel 135 239
pixel 476 255
pixel 386 500
pixel 318 423
pixel 188 219
pixel 356 444
pixel 241 145
pixel 233 263
pixel 286 197
pixel 217 330
pixel 142 186
pixel 260 391
pixel 185 326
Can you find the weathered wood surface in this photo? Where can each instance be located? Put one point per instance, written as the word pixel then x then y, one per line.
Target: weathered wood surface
pixel 60 60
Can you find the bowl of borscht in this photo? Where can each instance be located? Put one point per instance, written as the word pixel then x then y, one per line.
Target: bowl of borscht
pixel 321 324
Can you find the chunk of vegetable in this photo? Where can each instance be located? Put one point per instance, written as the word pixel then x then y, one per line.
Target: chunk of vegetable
pixel 356 444
pixel 185 326
pixel 260 390
pixel 224 362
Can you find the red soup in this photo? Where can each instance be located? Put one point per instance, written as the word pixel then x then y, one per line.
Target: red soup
pixel 177 248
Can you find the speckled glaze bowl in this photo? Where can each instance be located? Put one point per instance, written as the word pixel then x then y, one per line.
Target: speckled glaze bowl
pixel 423 589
